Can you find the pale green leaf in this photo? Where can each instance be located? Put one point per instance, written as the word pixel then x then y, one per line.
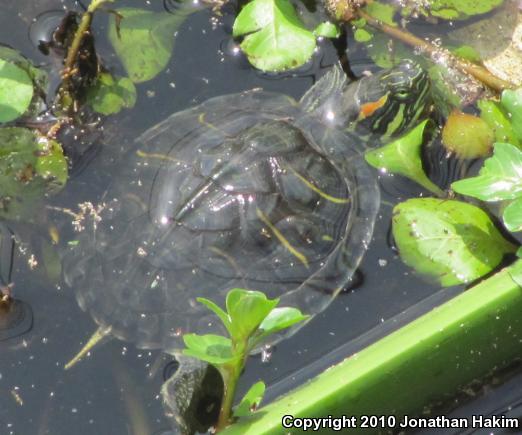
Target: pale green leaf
pixel 453 241
pixel 214 349
pixel 225 319
pixel 277 320
pixel 512 102
pixel 145 41
pixel 362 35
pixel 512 215
pixel 247 309
pixel 274 37
pixel 403 157
pixel 111 94
pixel 251 400
pixel 16 91
pixel 497 121
pixel 500 178
pixel 327 30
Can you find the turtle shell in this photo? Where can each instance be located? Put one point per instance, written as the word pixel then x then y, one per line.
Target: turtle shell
pixel 245 190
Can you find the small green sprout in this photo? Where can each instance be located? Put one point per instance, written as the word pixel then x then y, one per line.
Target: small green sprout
pixel 250 318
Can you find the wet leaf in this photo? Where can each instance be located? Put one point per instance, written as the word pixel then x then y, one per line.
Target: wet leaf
pixel 467 52
pixel 466 135
pixel 31 166
pixel 111 94
pixel 277 320
pixel 145 41
pixel 327 30
pixel 512 215
pixel 493 115
pixel 16 91
pixel 512 102
pixel 251 400
pixel 499 179
pixel 247 309
pixel 275 39
pixel 452 241
pixel 403 157
pixel 214 349
pixel 382 11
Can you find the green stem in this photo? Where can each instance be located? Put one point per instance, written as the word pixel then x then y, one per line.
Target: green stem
pixel 480 73
pixel 231 373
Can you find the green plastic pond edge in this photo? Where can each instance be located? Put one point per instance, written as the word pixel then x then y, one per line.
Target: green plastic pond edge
pixel 428 360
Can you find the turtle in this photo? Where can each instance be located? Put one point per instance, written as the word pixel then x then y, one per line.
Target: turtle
pixel 252 190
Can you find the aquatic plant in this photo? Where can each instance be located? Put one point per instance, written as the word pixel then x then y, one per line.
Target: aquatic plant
pixel 250 319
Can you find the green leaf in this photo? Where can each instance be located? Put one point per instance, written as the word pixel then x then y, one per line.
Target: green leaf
pixel 451 240
pixel 277 320
pixel 247 309
pixel 362 35
pixel 383 12
pixel 225 318
pixel 327 30
pixel 110 95
pixel 468 136
pixel 455 9
pixel 214 349
pixel 31 167
pixel 16 91
pixel 467 52
pixel 145 41
pixel 493 115
pixel 403 157
pixel 512 102
pixel 512 215
pixel 275 38
pixel 251 400
pixel 500 178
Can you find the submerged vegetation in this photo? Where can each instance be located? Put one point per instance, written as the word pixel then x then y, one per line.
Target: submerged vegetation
pixel 475 113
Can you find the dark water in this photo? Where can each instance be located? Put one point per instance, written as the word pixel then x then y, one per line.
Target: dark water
pixel 116 390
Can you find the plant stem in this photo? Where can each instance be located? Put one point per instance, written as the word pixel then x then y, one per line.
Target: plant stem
pixel 72 52
pixel 480 73
pixel 230 374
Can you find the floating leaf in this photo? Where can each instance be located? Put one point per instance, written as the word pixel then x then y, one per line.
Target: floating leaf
pixel 145 40
pixel 382 11
pixel 16 91
pixel 327 30
pixel 110 95
pixel 467 52
pixel 499 179
pixel 403 157
pixel 251 400
pixel 493 115
pixel 512 215
pixel 466 135
pixel 512 102
pixel 31 166
pixel 211 348
pixel 274 37
pixel 451 240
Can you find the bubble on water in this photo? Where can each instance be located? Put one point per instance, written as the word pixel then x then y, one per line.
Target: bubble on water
pixel 266 354
pixel 383 262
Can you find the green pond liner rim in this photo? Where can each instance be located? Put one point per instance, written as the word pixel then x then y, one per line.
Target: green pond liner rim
pixel 424 362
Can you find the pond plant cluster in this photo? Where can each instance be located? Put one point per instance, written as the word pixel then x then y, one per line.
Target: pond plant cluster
pixel 456 233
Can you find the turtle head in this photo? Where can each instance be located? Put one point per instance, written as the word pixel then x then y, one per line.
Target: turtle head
pixel 390 102
pixel 384 104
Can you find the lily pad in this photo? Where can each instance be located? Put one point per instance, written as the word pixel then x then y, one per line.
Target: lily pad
pixel 403 157
pixel 275 39
pixel 16 91
pixel 145 40
pixel 453 241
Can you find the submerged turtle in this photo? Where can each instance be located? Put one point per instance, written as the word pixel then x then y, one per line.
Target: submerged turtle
pixel 251 190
